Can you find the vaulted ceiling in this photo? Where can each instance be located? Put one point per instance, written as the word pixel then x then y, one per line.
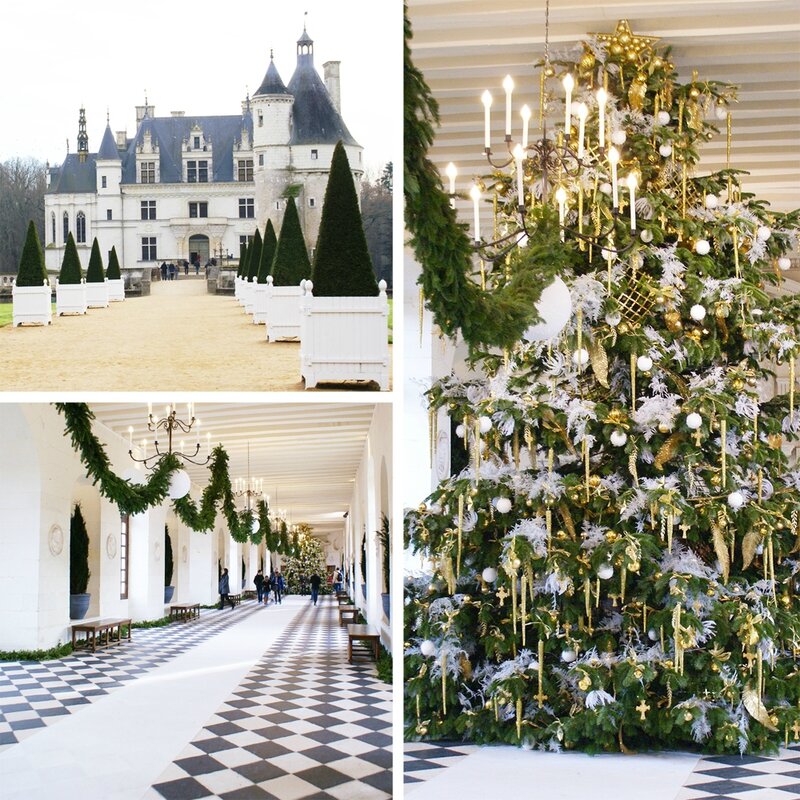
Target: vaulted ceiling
pixel 306 453
pixel 466 46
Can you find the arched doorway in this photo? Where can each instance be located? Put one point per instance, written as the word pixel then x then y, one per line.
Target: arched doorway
pixel 199 249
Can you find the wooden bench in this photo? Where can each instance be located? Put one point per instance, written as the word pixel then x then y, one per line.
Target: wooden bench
pixel 363 633
pixel 347 614
pixel 95 631
pixel 343 598
pixel 183 612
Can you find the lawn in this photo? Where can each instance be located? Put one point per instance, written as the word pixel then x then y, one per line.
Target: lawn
pixel 6 310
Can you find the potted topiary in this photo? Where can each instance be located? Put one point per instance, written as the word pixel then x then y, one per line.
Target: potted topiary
pixel 96 286
pixel 384 537
pixel 169 567
pixel 260 289
pixel 114 279
pixel 70 285
pixel 345 324
pixel 78 565
pixel 253 261
pixel 240 272
pixel 31 290
pixel 290 270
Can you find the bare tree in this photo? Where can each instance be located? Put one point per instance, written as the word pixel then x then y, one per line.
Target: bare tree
pixel 376 213
pixel 22 187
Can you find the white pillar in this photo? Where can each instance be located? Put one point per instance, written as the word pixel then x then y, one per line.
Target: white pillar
pixel 202 569
pixel 146 575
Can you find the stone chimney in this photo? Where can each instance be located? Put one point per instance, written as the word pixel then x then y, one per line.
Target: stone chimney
pixel 142 110
pixel 177 113
pixel 332 83
pixel 122 140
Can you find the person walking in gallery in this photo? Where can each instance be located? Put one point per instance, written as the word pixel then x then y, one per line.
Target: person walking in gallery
pixel 163 270
pixel 337 580
pixel 268 581
pixel 225 591
pixel 171 269
pixel 315 582
pixel 259 582
pixel 277 586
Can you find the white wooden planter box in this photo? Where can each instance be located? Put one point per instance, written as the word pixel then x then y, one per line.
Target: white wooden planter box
pixel 237 288
pixel 31 305
pixel 249 296
pixel 260 302
pixel 116 289
pixel 344 338
pixel 70 298
pixel 97 294
pixel 284 310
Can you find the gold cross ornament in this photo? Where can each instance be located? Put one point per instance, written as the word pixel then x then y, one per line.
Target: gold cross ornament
pixel 643 708
pixel 502 594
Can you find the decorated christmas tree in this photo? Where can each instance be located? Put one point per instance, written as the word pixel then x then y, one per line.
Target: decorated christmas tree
pixel 617 565
pixel 308 558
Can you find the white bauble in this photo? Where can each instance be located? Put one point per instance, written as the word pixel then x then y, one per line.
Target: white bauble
pixel 605 188
pixel 502 504
pixel 605 571
pixel 721 112
pixel 618 137
pixel 568 656
pixel 646 236
pixel 644 363
pixel 618 438
pixel 133 476
pixel 693 421
pixel 702 247
pixel 735 500
pixel 489 574
pixel 784 263
pixel 179 484
pixel 663 118
pixel 665 150
pixel 256 525
pixel 697 312
pixel 711 201
pixel 607 255
pixel 485 424
pixel 554 308
pixel 580 357
pixel 763 233
pixel 652 635
pixel 435 508
pixel 460 431
pixel 427 648
pixel 613 319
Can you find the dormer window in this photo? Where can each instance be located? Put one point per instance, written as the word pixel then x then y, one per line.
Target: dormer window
pixel 196 143
pixel 314 155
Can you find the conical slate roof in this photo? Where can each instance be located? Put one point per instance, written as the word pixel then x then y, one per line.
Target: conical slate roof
pixel 108 147
pixel 272 83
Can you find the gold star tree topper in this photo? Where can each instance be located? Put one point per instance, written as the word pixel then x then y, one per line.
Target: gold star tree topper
pixel 623 40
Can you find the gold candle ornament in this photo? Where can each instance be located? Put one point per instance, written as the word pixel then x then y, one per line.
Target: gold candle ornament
pixel 723 440
pixel 523 609
pixel 541 696
pixel 633 383
pixel 460 529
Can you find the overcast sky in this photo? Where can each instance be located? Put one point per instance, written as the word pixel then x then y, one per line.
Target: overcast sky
pixel 196 57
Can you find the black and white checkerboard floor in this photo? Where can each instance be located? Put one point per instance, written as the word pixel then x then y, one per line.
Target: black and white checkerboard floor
pixel 34 694
pixel 303 725
pixel 713 777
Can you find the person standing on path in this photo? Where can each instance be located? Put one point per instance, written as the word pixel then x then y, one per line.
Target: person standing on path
pixel 315 582
pixel 278 586
pixel 259 582
pixel 163 270
pixel 225 591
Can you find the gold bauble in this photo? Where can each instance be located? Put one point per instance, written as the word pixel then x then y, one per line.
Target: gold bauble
pixel 561 535
pixel 549 72
pixel 584 683
pixel 624 38
pixel 616 49
pixel 715 667
pixel 594 481
pixel 673 321
pixel 786 600
pixel 715 479
pixel 587 62
pixel 774 719
pixel 775 440
pixel 611 536
pixel 473 492
pixel 529 503
pixel 422 730
pixel 694 92
pixel 631 55
pixel 658 63
pixel 623 327
pixel 737 384
pixel 422 508
pixel 652 158
pixel 687 716
pixel 637 673
pixel 663 427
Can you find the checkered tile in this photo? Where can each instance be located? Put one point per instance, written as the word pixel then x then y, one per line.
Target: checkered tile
pixel 423 760
pixel 303 724
pixel 37 693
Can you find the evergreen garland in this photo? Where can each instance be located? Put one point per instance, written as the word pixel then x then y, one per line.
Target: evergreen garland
pixel 113 273
pixel 385 538
pixel 254 256
pixel 267 252
pixel 71 272
pixel 291 264
pixel 94 272
pixel 79 572
pixel 32 271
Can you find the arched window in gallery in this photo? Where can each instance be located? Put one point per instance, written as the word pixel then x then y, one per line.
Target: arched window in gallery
pixel 66 226
pixel 80 228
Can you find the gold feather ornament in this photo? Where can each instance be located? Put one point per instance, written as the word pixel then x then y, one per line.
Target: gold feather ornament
pixel 599 361
pixel 636 92
pixel 721 549
pixel 756 708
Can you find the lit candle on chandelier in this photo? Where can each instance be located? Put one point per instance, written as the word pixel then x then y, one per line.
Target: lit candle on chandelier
pixel 613 160
pixel 486 97
pixel 632 182
pixel 525 113
pixel 602 98
pixel 569 85
pixel 149 411
pixel 508 85
pixel 561 197
pixel 518 153
pixel 583 111
pixel 452 172
pixel 475 194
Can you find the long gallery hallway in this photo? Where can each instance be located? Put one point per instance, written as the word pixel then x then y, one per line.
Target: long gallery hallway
pixel 252 703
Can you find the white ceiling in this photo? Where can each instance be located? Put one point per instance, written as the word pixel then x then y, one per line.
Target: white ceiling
pixel 308 452
pixel 466 46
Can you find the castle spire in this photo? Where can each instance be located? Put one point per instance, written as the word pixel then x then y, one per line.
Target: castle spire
pixel 83 138
pixel 305 47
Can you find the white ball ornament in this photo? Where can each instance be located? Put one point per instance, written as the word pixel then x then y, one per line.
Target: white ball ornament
pixel 763 233
pixel 663 118
pixel 697 312
pixel 735 500
pixel 652 635
pixel 568 656
pixel 555 309
pixel 644 363
pixel 605 188
pixel 427 648
pixel 605 571
pixel 580 357
pixel 255 526
pixel 613 319
pixel 503 505
pixel 618 438
pixel 665 150
pixel 721 112
pixel 489 574
pixel 460 431
pixel 646 236
pixel 711 201
pixel 618 137
pixel 179 484
pixel 784 263
pixel 702 247
pixel 693 421
pixel 485 424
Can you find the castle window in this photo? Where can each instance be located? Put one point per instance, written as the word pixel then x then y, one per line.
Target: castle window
pixel 149 248
pixel 277 205
pixel 66 226
pixel 260 159
pixel 148 171
pixel 148 209
pixel 197 171
pixel 260 119
pixel 314 155
pixel 103 182
pixel 108 214
pixel 311 202
pixel 247 208
pixel 198 210
pixel 244 239
pixel 245 167
pixel 80 228
pixel 53 227
pixel 196 142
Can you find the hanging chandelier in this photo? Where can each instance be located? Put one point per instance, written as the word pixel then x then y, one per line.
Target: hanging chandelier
pixel 249 488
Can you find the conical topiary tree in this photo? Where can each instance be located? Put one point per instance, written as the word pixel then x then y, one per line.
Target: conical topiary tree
pixel 78 553
pixel 254 255
pixel 113 273
pixel 169 564
pixel 32 271
pixel 342 266
pixel 291 264
pixel 71 271
pixel 268 247
pixel 94 273
pixel 241 272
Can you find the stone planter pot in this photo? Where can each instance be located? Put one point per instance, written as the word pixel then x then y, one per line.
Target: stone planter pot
pixel 283 304
pixel 97 294
pixel 116 289
pixel 249 296
pixel 168 592
pixel 70 298
pixel 32 305
pixel 386 600
pixel 79 605
pixel 260 302
pixel 344 339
